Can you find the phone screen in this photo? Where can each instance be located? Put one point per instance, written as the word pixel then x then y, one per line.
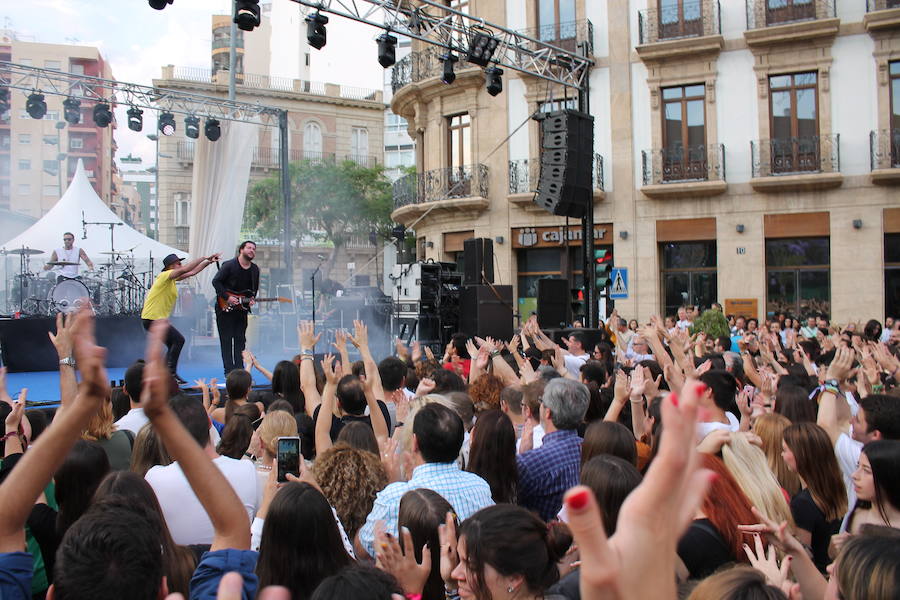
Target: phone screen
pixel 288 457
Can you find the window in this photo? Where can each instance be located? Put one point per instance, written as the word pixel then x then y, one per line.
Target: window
pixel 533 265
pixel 460 140
pixel 24 164
pixel 680 18
pixel 894 70
pixel 359 142
pixel 394 123
pixel 684 133
pixel 51 167
pixel 76 69
pixel 51 190
pixel 76 143
pixel 182 213
pixel 794 143
pixel 688 274
pixel 24 189
pixel 312 140
pixel 892 275
pixel 24 61
pixel 24 138
pixel 797 276
pixel 52 115
pixel 556 22
pixel 53 65
pixel 785 11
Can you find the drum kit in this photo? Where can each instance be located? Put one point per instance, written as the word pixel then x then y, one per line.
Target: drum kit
pixel 113 288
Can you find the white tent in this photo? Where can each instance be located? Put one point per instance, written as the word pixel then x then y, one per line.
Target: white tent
pixel 81 203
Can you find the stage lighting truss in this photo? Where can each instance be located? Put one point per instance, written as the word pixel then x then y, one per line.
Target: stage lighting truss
pixel 192 127
pixel 72 111
pixel 455 32
pixel 35 106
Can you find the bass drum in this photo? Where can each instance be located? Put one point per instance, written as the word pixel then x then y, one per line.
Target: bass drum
pixel 68 296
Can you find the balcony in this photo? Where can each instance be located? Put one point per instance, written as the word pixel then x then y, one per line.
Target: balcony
pixel 685 171
pixel 882 15
pixel 884 156
pixel 782 21
pixel 182 236
pixel 451 188
pixel 416 67
pixel 691 27
pixel 524 174
pixel 568 35
pixel 796 163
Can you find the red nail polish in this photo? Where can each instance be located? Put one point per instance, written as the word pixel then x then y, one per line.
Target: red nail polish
pixel 713 477
pixel 578 500
pixel 701 388
pixel 674 398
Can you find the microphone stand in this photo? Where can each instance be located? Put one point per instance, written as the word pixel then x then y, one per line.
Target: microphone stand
pixel 312 281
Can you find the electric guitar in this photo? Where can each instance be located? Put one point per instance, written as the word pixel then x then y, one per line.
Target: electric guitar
pixel 244 299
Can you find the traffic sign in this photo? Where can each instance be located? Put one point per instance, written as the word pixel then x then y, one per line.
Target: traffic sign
pixel 618 289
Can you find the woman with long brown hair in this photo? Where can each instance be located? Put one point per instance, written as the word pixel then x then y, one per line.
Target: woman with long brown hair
pixel 770 428
pixel 820 505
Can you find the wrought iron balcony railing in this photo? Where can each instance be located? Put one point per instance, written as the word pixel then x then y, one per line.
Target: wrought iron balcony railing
pixel 768 13
pixel 415 67
pixel 796 155
pixel 683 164
pixel 467 181
pixel 884 149
pixel 873 5
pixel 681 20
pixel 525 173
pixel 568 35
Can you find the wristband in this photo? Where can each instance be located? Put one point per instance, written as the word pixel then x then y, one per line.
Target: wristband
pixel 831 383
pixel 306 357
pixel 495 353
pixel 830 388
pixel 306 352
pixel 413 596
pixel 878 387
pixel 9 435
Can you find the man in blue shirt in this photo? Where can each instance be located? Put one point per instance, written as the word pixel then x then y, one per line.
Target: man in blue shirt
pixel 546 473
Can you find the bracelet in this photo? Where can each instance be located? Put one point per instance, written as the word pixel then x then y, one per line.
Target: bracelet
pixel 9 435
pixel 413 596
pixel 878 387
pixel 307 352
pixel 306 357
pixel 831 388
pixel 495 353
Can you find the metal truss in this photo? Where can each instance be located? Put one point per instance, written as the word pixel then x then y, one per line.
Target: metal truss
pixel 95 89
pixel 452 30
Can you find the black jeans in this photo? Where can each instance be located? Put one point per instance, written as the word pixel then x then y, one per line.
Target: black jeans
pixel 232 328
pixel 174 343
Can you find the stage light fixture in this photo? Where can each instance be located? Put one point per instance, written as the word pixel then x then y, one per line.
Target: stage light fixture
pixel 316 34
pixel 4 100
pixel 246 14
pixel 102 115
pixel 387 50
pixel 36 106
pixel 135 118
pixel 72 111
pixel 167 123
pixel 212 130
pixel 449 75
pixel 481 48
pixel 159 4
pixel 192 127
pixel 493 76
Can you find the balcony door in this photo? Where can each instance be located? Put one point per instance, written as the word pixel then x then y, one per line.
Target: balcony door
pixel 556 23
pixel 794 143
pixel 458 183
pixel 680 18
pixel 684 133
pixel 786 11
pixel 894 68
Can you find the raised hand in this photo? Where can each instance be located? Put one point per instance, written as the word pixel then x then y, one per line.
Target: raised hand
pixel 14 418
pixel 638 384
pixel 90 359
pixel 410 574
pixel 767 564
pixel 841 364
pixel 332 375
pixel 62 339
pixel 428 353
pixel 360 334
pixel 449 555
pixel 426 386
pixel 156 374
pixel 416 351
pixel 340 341
pixel 307 336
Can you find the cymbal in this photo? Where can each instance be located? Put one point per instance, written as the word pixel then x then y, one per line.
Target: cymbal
pixel 24 251
pixel 62 263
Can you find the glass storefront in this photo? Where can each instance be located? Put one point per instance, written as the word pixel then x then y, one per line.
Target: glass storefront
pixel 798 279
pixel 688 275
pixel 892 275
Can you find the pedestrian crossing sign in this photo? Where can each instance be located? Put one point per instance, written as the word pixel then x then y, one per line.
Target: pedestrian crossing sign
pixel 618 288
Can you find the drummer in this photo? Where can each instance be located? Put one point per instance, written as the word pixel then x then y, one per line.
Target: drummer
pixel 69 254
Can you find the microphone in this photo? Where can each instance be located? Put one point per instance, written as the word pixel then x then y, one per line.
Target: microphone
pixel 320 257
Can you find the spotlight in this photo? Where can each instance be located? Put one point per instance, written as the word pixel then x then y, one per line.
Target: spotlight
pixel 159 4
pixel 246 14
pixel 72 111
pixel 135 118
pixel 387 54
pixel 449 75
pixel 481 48
pixel 192 127
pixel 167 123
pixel 36 106
pixel 494 80
pixel 212 130
pixel 316 34
pixel 4 100
pixel 102 115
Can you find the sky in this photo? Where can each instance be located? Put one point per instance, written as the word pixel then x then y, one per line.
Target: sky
pixel 137 40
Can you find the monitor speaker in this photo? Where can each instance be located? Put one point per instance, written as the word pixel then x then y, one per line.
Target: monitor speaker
pixel 486 310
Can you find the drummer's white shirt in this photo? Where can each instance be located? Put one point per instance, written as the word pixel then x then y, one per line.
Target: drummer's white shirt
pixel 63 255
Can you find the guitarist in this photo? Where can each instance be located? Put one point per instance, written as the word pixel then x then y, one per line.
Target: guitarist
pixel 236 275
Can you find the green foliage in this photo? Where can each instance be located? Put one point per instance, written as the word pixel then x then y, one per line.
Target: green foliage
pixel 713 323
pixel 330 201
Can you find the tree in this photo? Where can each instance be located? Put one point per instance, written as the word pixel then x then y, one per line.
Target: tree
pixel 330 202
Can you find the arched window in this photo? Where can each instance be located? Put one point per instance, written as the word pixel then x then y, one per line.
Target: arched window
pixel 312 141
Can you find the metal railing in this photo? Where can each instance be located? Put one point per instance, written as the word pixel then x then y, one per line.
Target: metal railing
pixel 416 66
pixel 525 173
pixel 467 181
pixel 198 74
pixel 268 82
pixel 567 35
pixel 265 156
pixel 683 20
pixel 684 163
pixel 873 5
pixel 884 149
pixel 357 93
pixel 796 155
pixel 226 43
pixel 768 13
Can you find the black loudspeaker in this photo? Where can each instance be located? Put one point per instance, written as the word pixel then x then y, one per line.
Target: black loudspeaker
pixel 479 261
pixel 565 186
pixel 553 308
pixel 486 310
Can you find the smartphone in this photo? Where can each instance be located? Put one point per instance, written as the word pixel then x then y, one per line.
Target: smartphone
pixel 288 457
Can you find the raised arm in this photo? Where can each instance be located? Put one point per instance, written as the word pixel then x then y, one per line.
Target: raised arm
pixel 229 518
pixel 193 267
pixel 323 420
pixel 62 341
pixel 361 341
pixel 53 258
pixel 828 417
pixel 340 344
pixel 308 338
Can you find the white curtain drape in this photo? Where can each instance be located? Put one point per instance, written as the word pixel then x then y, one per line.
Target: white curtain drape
pixel 218 192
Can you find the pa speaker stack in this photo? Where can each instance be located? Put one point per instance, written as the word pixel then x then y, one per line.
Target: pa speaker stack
pixel 565 186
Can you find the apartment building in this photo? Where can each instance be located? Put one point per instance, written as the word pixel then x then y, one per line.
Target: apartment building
pixel 746 152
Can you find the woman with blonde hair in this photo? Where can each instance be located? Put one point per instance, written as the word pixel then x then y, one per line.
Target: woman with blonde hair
pixel 264 445
pixel 770 428
pixel 750 469
pixel 116 443
pixel 350 478
pixel 148 451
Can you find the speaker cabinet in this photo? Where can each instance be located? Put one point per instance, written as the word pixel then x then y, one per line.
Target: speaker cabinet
pixel 479 261
pixel 565 186
pixel 553 308
pixel 486 310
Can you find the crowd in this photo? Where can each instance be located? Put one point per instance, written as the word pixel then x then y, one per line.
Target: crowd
pixel 657 461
